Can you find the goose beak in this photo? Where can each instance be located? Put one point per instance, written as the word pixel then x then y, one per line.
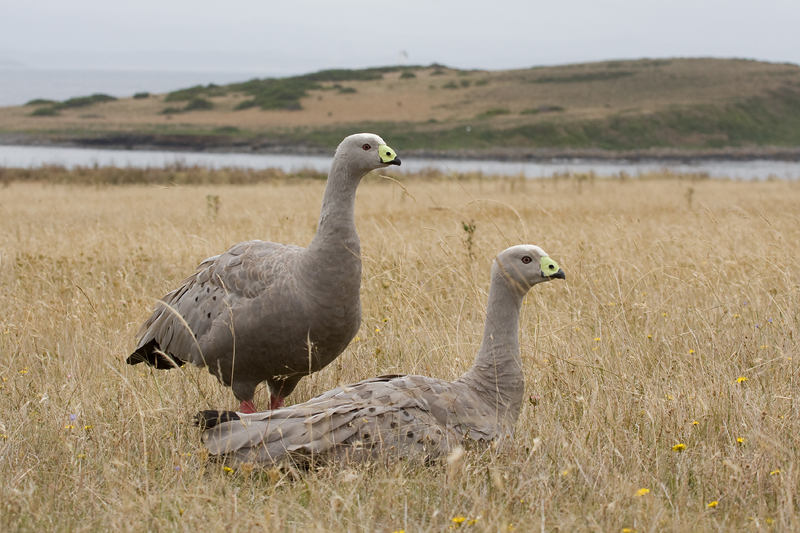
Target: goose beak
pixel 388 157
pixel 560 274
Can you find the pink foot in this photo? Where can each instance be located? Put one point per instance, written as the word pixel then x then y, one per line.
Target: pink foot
pixel 247 408
pixel 276 402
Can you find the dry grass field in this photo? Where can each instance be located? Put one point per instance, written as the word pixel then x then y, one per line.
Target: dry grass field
pixel 666 366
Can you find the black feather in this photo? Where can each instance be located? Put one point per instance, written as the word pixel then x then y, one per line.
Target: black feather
pixel 151 354
pixel 210 418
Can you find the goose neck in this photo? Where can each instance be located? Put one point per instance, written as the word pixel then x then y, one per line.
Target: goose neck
pixel 497 373
pixel 337 225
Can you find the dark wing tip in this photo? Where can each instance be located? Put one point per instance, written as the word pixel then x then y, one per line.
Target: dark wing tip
pixel 151 354
pixel 210 418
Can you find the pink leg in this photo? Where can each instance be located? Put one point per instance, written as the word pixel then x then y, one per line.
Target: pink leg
pixel 247 407
pixel 276 402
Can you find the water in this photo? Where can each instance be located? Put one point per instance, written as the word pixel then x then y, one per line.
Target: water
pixel 36 156
pixel 21 85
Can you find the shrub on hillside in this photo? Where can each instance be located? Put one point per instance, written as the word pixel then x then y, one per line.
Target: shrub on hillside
pixel 273 93
pixel 495 112
pixel 199 104
pixel 185 94
pixel 541 109
pixel 49 111
pixel 85 101
pixel 41 101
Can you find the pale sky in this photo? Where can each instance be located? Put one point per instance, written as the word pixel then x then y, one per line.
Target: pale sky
pixel 289 37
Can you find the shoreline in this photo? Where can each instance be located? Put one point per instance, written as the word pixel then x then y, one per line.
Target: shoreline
pixel 222 144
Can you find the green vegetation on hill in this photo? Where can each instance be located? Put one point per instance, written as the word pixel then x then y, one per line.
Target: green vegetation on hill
pixel 581 78
pixel 770 120
pixel 615 105
pixel 54 107
pixel 285 93
pixel 195 104
pixel 197 91
pixel 271 93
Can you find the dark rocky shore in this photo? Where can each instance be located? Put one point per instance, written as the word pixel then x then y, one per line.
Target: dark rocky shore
pixel 253 145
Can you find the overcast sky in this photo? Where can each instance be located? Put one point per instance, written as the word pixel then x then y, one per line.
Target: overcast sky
pixel 300 36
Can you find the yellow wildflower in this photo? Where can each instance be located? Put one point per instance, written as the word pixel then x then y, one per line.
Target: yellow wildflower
pixel 712 504
pixel 679 447
pixel 691 351
pixel 642 492
pixel 628 530
pixel 228 469
pixel 695 423
pixel 472 522
pixel 597 339
pixel 87 427
pixel 459 519
pixel 770 521
pixel 774 472
pixel 741 379
pixel 740 440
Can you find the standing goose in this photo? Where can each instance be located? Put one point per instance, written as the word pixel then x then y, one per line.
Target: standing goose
pixel 402 416
pixel 267 312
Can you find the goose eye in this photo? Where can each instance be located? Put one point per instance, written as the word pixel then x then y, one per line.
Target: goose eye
pixel 526 259
pixel 366 147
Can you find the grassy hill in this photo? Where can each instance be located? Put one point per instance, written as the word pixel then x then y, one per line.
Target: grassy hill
pixel 693 104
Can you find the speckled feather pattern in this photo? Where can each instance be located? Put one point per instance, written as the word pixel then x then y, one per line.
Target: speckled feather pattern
pixel 267 312
pixel 244 309
pixel 401 416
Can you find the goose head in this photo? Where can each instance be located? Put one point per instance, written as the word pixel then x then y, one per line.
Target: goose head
pixel 524 266
pixel 364 152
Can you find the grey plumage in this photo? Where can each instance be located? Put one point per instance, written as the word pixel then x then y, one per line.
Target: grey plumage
pixel 399 415
pixel 267 312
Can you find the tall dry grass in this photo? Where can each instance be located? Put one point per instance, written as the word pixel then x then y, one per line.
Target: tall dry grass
pixel 677 325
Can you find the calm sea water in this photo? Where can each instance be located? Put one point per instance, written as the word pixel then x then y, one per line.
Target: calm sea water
pixel 35 156
pixel 20 85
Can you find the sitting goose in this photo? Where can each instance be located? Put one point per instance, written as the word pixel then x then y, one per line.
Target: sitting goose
pixel 267 312
pixel 397 415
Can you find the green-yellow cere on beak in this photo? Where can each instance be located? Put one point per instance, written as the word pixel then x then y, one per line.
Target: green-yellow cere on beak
pixel 386 153
pixel 549 267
